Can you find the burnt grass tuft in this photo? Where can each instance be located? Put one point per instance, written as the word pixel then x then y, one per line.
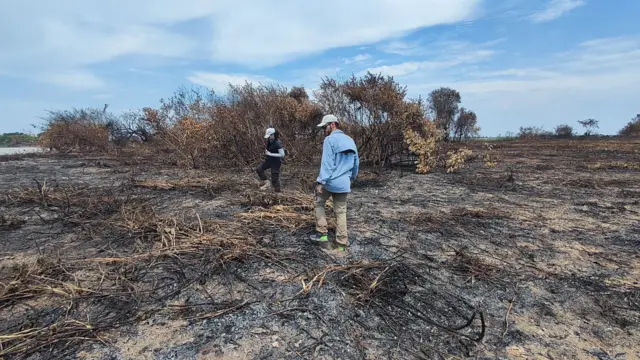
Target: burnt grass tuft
pixel 536 257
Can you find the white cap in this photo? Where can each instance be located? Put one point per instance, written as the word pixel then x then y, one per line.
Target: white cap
pixel 327 119
pixel 269 132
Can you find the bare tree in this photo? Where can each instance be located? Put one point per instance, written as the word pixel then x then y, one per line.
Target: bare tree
pixel 444 103
pixel 589 125
pixel 465 125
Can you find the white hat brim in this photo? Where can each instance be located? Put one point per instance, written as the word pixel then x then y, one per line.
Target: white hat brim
pixel 325 123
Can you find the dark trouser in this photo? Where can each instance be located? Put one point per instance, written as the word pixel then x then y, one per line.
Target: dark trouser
pixel 274 165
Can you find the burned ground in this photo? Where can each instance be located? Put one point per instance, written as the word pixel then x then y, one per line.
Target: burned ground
pixel 538 257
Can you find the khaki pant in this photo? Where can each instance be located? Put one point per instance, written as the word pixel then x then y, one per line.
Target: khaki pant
pixel 340 209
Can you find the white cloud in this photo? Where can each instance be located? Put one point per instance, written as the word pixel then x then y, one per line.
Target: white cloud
pixel 515 72
pixel 600 64
pixel 420 48
pixel 401 69
pixel 404 48
pixel 42 35
pixel 219 82
pixel 411 67
pixel 603 65
pixel 59 43
pixel 598 78
pixel 289 29
pixel 555 9
pixel 357 59
pixel 443 55
pixel 75 80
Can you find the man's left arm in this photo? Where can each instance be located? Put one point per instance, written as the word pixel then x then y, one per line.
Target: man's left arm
pixel 356 167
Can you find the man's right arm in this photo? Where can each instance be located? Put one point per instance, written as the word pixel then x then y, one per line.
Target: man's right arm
pixel 328 162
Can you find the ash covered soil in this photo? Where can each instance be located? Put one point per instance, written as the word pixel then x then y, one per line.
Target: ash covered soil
pixel 538 257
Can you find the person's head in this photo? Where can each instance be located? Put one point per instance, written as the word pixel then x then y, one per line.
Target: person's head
pixel 329 123
pixel 271 134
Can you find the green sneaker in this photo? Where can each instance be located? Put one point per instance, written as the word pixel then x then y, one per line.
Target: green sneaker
pixel 321 239
pixel 339 246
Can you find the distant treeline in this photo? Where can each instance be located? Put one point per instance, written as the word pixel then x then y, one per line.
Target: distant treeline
pixel 18 139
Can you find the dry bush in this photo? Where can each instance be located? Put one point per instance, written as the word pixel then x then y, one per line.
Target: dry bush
pixel 533 132
pixel 93 130
pixel 130 128
pixel 183 125
pixel 85 130
pixel 489 157
pixel 209 130
pixel 427 141
pixel 190 139
pixel 374 111
pixel 249 110
pixel 425 144
pixel 457 159
pixel 564 131
pixel 632 128
pixel 197 128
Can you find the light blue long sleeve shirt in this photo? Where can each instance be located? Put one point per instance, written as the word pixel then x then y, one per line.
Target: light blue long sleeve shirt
pixel 340 162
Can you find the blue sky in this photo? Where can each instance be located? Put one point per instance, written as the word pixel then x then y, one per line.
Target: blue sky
pixel 515 62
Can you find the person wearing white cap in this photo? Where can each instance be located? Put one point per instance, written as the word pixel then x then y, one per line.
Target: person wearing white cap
pixel 274 153
pixel 339 168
